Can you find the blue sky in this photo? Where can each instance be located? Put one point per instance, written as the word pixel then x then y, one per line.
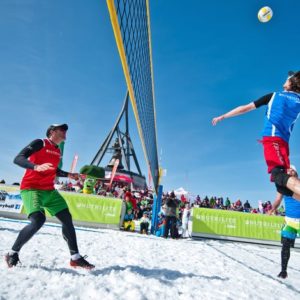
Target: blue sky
pixel 59 63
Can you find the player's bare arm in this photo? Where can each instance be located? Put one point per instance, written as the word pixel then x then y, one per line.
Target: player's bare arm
pixel 234 112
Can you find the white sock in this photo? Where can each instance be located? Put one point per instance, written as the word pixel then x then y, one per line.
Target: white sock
pixel 75 256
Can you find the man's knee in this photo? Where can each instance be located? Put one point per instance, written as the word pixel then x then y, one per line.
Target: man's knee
pixel 279 176
pixel 64 216
pixel 37 219
pixel 284 190
pixel 287 242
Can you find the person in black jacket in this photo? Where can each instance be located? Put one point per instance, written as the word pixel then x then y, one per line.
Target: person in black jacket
pixel 171 216
pixel 247 206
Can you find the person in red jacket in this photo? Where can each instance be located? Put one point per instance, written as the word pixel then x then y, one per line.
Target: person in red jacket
pixel 41 159
pixel 132 199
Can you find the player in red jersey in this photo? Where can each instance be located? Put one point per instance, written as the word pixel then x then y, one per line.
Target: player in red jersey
pixel 41 159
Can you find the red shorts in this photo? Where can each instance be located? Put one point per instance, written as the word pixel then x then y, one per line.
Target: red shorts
pixel 276 152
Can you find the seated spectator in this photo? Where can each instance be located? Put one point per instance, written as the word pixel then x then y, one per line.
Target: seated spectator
pixel 205 202
pixel 218 204
pixel 238 205
pixel 221 202
pixel 183 198
pixel 198 200
pixel 227 203
pixel 118 192
pixel 144 202
pixel 129 224
pixel 144 224
pixel 212 202
pixel 129 215
pixel 128 203
pixel 268 207
pixel 131 198
pixel 161 225
pixel 232 206
pixel 108 193
pixel 247 206
pixel 185 220
pixel 140 211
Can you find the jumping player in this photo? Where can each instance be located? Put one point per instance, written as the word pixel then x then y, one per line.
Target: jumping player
pixel 41 159
pixel 283 109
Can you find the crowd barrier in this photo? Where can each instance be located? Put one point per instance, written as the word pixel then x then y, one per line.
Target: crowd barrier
pixel 105 212
pixel 236 226
pixel 86 210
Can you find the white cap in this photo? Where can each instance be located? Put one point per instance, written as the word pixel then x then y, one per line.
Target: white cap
pixel 293 167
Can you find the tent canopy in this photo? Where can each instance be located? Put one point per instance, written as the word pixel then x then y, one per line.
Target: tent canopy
pixel 180 191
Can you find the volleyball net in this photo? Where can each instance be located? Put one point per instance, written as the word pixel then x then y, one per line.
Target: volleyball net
pixel 131 25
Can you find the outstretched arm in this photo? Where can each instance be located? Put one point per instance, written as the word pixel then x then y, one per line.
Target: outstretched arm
pixel 276 203
pixel 234 112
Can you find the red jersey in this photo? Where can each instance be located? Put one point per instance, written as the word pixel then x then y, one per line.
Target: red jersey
pixel 50 153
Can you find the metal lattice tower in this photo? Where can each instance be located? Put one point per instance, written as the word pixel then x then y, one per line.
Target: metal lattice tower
pixel 123 137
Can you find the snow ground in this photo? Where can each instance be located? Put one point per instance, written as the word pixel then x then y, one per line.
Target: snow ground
pixel 134 266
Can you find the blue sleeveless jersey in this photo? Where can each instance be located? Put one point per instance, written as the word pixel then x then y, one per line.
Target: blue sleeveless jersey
pixel 292 207
pixel 281 114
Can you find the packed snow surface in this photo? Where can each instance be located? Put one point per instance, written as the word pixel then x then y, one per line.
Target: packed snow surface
pixel 134 266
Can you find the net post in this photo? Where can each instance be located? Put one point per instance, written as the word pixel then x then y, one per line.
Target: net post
pixel 156 208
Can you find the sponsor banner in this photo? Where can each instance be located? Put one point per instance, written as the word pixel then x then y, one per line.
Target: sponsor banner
pixel 9 188
pixel 90 208
pixel 113 172
pixel 85 208
pixel 10 202
pixel 237 224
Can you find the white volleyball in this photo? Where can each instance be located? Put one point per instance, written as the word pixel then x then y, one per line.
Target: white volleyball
pixel 265 14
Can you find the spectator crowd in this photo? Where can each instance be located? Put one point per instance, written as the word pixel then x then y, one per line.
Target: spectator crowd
pixel 175 211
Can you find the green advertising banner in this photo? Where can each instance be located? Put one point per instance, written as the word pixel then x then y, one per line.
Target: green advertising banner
pixel 94 209
pixel 87 208
pixel 90 208
pixel 237 224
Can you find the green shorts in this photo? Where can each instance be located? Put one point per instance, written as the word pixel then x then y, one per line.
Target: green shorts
pixel 39 200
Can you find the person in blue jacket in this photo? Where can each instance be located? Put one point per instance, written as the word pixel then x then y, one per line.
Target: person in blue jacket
pixel 292 224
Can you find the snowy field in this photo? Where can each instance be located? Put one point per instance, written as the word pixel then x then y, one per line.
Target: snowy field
pixel 133 266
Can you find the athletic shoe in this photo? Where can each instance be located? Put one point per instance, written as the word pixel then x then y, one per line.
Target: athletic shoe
pixel 81 263
pixel 12 259
pixel 283 274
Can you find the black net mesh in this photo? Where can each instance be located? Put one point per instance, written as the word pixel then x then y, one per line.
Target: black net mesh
pixel 133 22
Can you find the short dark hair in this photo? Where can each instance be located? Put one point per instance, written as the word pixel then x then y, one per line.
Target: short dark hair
pixel 295 81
